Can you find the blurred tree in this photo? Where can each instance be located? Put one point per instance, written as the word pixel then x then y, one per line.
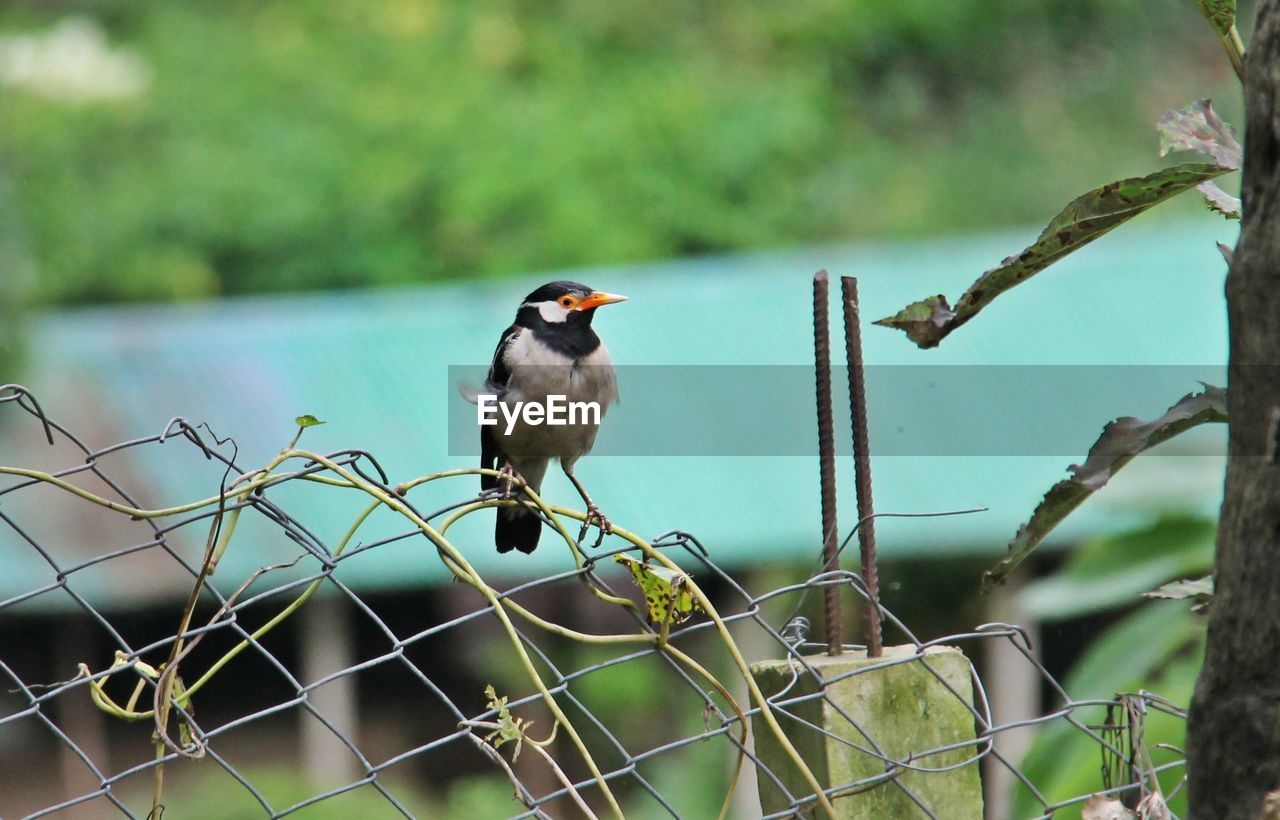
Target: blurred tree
pixel 287 146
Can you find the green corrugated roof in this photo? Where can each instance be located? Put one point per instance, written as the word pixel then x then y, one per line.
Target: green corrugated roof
pixel 374 364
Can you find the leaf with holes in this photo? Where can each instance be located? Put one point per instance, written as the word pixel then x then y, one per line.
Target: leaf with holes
pixel 1120 441
pixel 666 592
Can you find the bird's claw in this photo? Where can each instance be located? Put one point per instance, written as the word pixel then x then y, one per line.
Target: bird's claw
pixel 508 476
pixel 594 516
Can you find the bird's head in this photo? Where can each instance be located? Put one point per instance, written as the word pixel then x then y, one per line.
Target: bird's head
pixel 567 302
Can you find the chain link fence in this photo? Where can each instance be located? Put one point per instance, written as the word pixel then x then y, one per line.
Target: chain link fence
pixel 567 642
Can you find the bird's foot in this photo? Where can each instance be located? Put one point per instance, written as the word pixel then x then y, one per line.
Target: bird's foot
pixel 508 475
pixel 594 516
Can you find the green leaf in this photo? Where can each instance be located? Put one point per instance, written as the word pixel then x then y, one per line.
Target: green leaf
pixel 1197 127
pixel 666 592
pixel 1120 441
pixel 510 729
pixel 308 420
pixel 1221 14
pixel 1083 220
pixel 1115 570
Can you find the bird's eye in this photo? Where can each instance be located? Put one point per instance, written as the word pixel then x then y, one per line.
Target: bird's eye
pixel 566 301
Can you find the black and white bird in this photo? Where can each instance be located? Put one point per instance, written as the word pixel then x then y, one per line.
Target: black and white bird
pixel 551 350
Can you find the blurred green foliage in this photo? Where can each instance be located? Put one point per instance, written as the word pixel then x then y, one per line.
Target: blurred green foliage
pixel 291 146
pixel 1154 646
pixel 209 792
pixel 15 282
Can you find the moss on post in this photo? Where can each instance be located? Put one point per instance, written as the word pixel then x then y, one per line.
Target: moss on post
pixel 905 709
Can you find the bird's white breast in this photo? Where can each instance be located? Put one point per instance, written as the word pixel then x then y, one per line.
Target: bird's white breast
pixel 537 371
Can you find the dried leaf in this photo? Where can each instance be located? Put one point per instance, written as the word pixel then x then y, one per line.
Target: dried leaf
pixel 1153 807
pixel 1197 127
pixel 1201 590
pixel 1176 590
pixel 1083 220
pixel 1120 441
pixel 1101 807
pixel 1219 200
pixel 1221 14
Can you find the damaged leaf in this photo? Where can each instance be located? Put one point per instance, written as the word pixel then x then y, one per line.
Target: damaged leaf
pixel 666 592
pixel 923 319
pixel 1219 200
pixel 1193 128
pixel 1197 127
pixel 1120 441
pixel 1085 218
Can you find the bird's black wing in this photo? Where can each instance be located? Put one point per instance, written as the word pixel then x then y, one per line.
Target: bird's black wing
pixel 495 382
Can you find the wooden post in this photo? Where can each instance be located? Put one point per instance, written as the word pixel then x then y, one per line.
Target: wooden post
pixel 83 722
pixel 1013 685
pixel 327 648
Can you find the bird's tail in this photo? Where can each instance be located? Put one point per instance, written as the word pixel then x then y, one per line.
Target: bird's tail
pixel 517 528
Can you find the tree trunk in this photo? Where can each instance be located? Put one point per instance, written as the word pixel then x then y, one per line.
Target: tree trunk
pixel 1234 729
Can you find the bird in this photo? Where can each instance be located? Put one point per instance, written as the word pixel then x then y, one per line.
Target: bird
pixel 550 350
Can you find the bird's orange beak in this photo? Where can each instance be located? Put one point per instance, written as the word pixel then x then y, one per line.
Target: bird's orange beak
pixel 598 298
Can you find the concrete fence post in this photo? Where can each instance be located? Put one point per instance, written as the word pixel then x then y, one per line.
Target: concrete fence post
pixel 904 710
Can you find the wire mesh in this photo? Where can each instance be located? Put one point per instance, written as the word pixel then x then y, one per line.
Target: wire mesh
pixel 152 666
